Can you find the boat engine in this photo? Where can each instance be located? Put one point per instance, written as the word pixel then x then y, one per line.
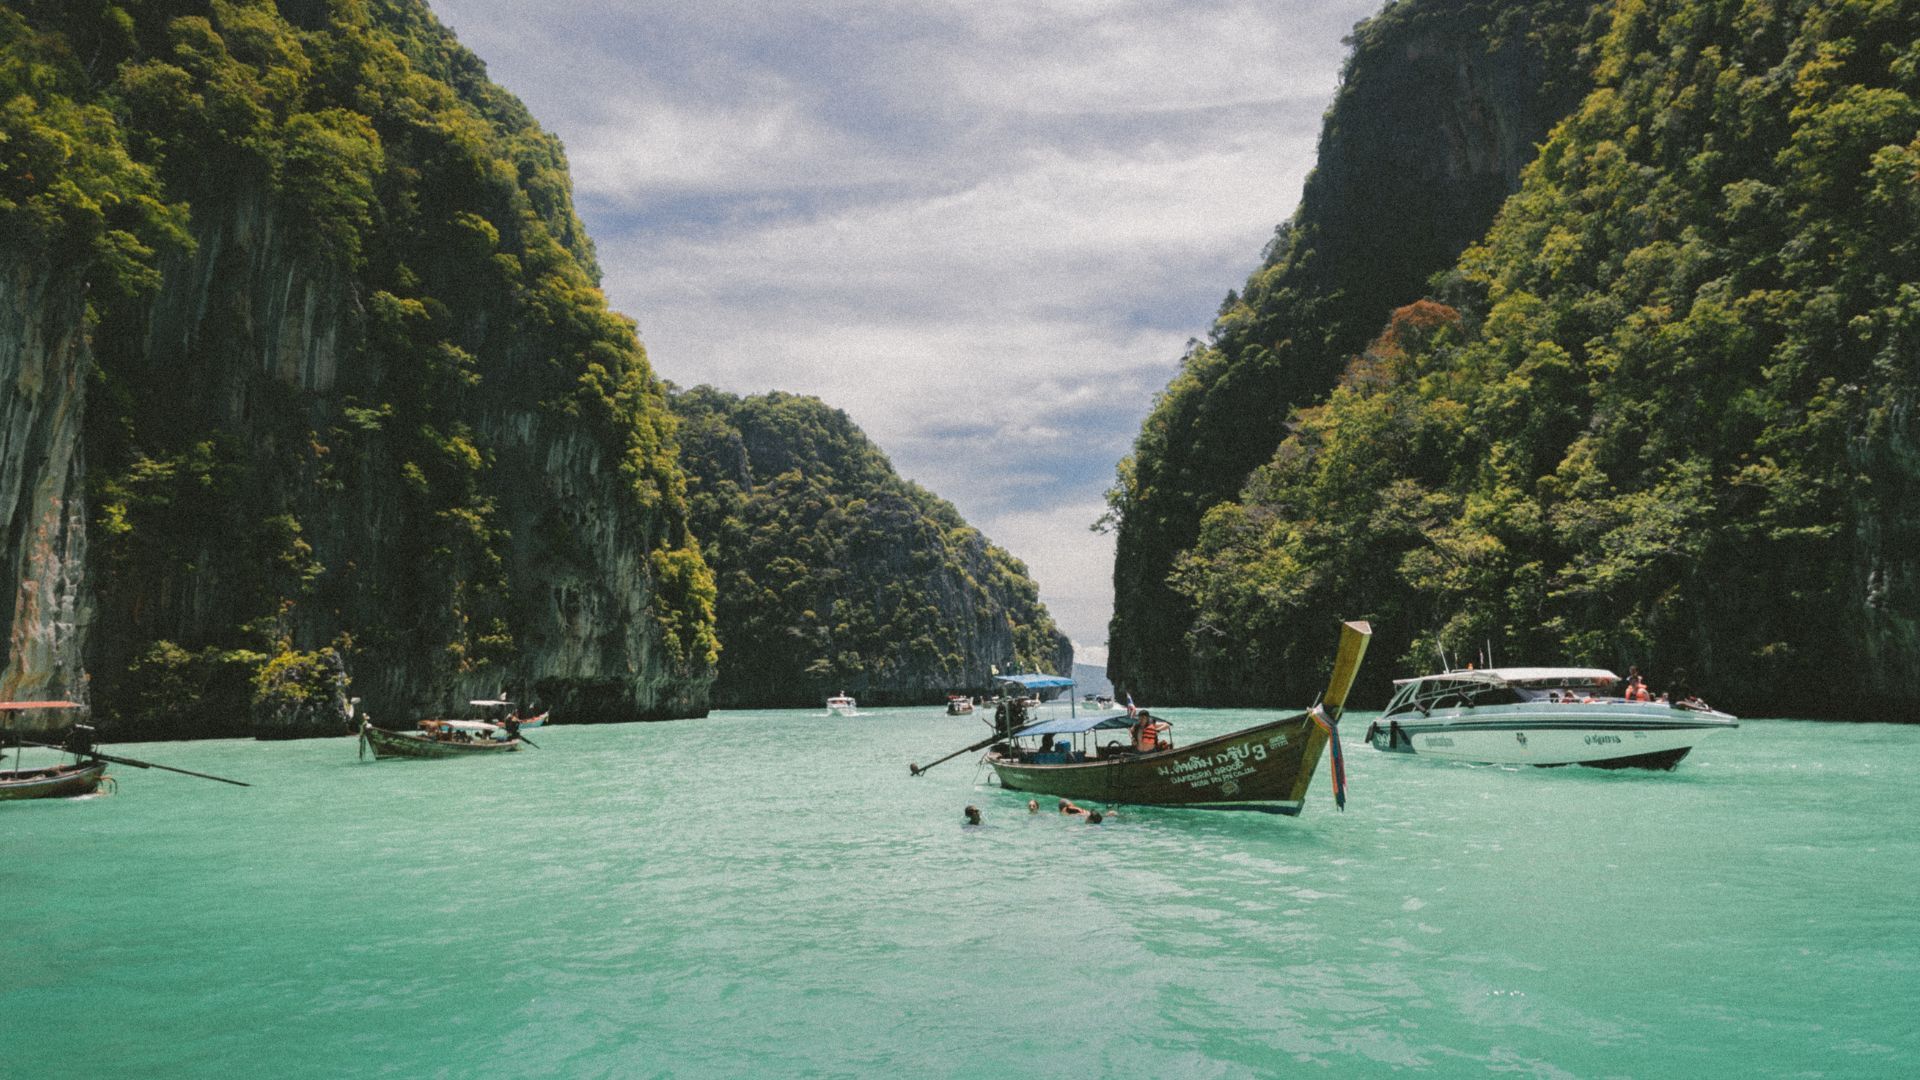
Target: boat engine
pixel 80 740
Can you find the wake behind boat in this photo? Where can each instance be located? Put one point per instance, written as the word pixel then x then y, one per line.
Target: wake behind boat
pixel 1539 716
pixel 1266 767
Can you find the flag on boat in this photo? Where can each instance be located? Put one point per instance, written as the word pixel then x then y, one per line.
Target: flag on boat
pixel 1332 727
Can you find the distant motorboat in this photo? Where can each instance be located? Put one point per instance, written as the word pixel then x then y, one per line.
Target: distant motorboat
pixel 1539 716
pixel 959 705
pixel 842 705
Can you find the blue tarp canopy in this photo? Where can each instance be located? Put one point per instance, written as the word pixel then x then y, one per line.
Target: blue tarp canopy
pixel 1075 725
pixel 1036 682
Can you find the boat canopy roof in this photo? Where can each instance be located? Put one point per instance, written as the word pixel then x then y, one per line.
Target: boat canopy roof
pixel 467 725
pixel 15 706
pixel 1035 682
pixel 1559 676
pixel 488 702
pixel 1075 725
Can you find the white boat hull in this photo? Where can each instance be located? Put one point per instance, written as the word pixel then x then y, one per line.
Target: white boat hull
pixel 1621 734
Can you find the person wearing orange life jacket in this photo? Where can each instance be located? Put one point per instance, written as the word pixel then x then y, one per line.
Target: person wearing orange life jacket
pixel 1636 688
pixel 1151 733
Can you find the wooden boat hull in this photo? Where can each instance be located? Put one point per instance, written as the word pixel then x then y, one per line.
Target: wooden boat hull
pixel 1266 768
pixel 57 782
pixel 399 744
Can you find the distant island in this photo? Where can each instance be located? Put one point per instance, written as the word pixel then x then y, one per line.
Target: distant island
pixel 835 574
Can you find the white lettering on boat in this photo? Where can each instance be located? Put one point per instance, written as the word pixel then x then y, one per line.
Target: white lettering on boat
pixel 1220 769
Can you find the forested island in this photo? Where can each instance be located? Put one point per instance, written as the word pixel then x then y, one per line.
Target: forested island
pixel 834 573
pixel 308 389
pixel 1654 405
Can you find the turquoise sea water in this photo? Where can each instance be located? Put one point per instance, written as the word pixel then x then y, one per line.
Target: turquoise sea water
pixel 770 894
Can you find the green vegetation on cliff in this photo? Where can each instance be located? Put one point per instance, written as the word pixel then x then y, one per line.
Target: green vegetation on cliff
pixel 1440 105
pixel 835 573
pixel 1665 412
pixel 338 294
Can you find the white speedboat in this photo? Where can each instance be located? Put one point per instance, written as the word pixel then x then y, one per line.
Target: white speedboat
pixel 959 705
pixel 1539 716
pixel 841 705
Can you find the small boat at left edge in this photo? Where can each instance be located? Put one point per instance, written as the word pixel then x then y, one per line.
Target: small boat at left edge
pixel 86 774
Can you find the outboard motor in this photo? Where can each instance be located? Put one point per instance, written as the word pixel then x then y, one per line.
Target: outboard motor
pixel 1009 716
pixel 80 740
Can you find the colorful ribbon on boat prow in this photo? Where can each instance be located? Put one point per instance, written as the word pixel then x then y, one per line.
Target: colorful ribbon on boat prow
pixel 1332 726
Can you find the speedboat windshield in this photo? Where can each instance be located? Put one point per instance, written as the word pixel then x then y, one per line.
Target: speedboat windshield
pixel 1499 686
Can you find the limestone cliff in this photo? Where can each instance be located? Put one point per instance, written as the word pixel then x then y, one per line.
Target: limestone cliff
pixel 344 385
pixel 1440 106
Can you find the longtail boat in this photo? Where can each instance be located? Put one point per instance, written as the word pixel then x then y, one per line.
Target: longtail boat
pixel 1267 767
pixel 54 781
pixel 440 739
pixel 59 781
pixel 84 775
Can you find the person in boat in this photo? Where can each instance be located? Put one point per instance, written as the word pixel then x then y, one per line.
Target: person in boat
pixel 1680 695
pixel 973 815
pixel 1635 688
pixel 1151 733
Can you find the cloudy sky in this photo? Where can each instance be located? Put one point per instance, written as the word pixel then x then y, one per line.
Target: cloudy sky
pixel 984 228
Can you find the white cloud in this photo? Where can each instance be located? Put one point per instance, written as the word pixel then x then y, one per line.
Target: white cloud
pixel 986 229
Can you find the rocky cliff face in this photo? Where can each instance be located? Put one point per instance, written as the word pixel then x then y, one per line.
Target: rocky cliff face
pixel 46 609
pixel 835 574
pixel 1441 106
pixel 1886 563
pixel 367 403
